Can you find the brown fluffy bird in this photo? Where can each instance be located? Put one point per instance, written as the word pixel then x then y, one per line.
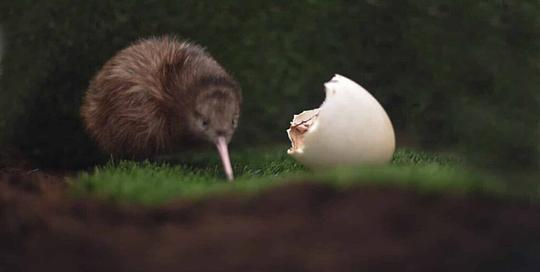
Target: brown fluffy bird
pixel 160 96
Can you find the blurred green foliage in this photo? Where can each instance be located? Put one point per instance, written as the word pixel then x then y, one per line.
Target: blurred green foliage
pixel 452 74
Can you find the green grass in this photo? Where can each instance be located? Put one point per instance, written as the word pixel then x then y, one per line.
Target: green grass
pixel 200 175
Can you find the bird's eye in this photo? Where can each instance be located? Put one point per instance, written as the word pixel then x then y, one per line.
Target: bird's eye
pixel 204 124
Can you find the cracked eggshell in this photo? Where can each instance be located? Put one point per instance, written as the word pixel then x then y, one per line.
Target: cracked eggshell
pixel 349 128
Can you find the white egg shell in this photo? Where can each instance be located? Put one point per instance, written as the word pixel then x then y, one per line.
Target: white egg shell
pixel 349 128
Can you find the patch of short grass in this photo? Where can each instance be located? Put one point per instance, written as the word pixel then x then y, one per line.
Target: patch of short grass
pixel 200 175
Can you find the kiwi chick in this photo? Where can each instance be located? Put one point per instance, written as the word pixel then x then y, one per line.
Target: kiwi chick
pixel 161 96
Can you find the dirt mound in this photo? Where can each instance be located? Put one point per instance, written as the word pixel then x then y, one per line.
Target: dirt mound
pixel 299 227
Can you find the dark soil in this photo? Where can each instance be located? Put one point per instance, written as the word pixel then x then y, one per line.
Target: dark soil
pixel 299 227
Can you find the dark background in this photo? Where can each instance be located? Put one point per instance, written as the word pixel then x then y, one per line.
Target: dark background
pixel 458 76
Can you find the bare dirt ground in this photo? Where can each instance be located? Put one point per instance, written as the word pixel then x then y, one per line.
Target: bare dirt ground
pixel 299 227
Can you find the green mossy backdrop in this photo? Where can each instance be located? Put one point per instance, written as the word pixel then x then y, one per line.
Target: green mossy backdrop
pixel 460 75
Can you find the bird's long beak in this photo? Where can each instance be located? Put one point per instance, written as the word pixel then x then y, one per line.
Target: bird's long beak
pixel 221 145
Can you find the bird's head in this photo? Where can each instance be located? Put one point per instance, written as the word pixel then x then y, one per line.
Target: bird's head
pixel 214 118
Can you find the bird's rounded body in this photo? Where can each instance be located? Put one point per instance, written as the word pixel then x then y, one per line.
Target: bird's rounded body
pixel 158 96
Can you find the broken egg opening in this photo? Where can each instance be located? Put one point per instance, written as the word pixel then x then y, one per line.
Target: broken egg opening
pixel 300 124
pixel 349 128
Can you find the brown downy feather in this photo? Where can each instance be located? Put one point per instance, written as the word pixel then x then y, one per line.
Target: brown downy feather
pixel 144 100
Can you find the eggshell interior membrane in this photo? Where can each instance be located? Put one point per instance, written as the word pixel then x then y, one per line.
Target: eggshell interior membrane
pixel 350 128
pixel 300 124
